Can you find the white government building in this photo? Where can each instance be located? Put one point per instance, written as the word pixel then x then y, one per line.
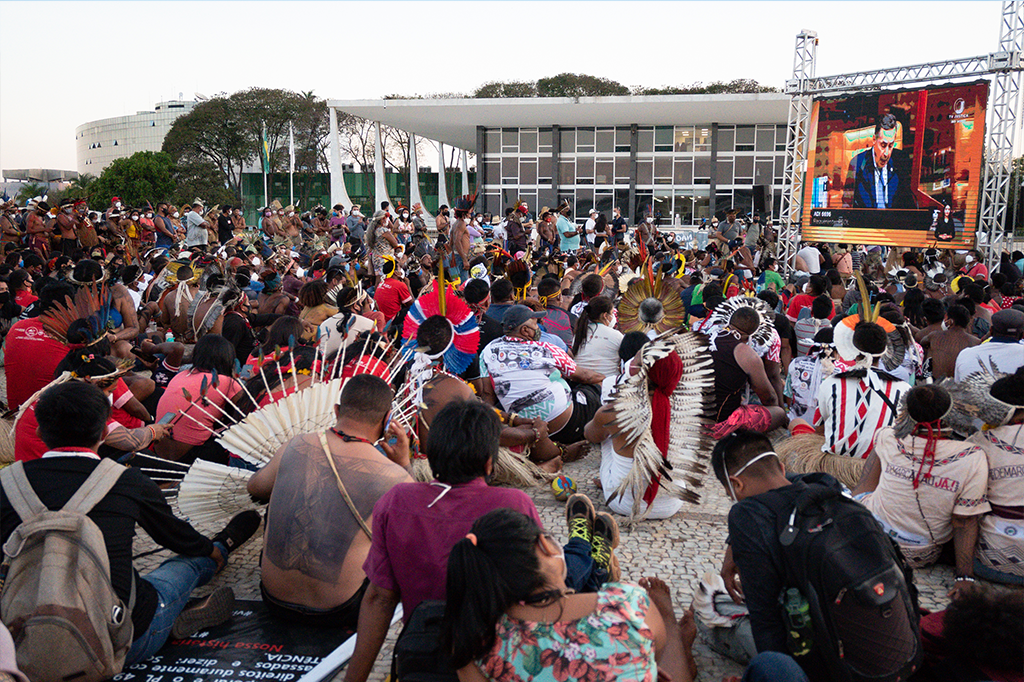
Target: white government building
pixel 98 143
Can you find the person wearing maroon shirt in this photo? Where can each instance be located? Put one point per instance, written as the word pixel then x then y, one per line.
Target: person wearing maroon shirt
pixel 32 355
pixel 415 525
pixel 393 293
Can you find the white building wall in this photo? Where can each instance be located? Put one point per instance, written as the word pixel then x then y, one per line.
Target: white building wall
pixel 98 143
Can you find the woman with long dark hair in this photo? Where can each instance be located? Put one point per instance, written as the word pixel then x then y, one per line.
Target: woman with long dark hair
pixel 509 615
pixel 595 344
pixel 200 409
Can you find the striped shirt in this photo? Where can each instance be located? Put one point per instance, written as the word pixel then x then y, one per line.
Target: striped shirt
pixel 854 408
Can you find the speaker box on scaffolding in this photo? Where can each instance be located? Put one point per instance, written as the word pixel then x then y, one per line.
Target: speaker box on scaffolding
pixel 760 196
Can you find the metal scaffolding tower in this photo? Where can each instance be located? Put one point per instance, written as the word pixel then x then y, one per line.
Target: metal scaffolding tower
pixel 1003 66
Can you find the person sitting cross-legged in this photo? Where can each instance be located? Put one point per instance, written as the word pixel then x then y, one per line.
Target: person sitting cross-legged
pixel 925 488
pixel 72 418
pixel 316 540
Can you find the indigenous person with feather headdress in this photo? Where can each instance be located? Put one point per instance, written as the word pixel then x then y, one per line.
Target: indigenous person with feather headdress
pixel 737 325
pixel 652 408
pixel 322 489
pixel 924 487
pixel 852 405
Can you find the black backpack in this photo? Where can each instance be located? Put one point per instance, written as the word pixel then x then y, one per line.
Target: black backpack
pixel 418 656
pixel 863 604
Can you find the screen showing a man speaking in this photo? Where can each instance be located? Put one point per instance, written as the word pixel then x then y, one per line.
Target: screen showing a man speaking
pixel 898 168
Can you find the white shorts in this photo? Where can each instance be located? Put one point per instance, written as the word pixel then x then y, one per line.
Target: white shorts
pixel 614 470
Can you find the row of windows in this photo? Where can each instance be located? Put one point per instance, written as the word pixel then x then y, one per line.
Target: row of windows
pixel 682 208
pixel 664 170
pixel 677 139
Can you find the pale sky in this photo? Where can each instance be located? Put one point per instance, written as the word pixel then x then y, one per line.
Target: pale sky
pixel 66 63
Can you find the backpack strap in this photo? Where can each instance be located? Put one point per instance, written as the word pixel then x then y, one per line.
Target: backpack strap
pixel 95 487
pixel 19 492
pixel 341 486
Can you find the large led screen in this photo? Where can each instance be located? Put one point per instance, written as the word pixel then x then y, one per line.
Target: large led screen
pixel 898 168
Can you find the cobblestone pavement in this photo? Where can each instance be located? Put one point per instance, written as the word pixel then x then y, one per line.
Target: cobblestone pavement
pixel 679 550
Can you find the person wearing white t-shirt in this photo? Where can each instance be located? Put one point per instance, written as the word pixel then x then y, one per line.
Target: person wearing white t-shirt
pixel 808 260
pixel 588 227
pixel 596 342
pixel 1002 352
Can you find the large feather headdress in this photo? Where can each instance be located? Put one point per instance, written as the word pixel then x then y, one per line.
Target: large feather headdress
pixel 211 493
pixel 856 352
pixel 723 312
pixel 649 305
pixel 679 469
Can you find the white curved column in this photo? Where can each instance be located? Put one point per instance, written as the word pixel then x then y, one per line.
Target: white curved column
pixel 465 172
pixel 339 193
pixel 442 178
pixel 380 186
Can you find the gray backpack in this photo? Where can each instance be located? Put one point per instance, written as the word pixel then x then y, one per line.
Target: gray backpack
pixel 55 591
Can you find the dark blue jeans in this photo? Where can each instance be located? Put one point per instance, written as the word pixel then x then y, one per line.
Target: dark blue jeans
pixel 174 580
pixel 771 666
pixel 583 574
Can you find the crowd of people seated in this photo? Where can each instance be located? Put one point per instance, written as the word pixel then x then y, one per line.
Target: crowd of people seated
pixel 472 359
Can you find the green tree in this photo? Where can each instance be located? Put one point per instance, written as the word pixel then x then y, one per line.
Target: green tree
pixel 141 177
pixel 201 179
pixel 506 89
pixel 214 133
pixel 30 190
pixel 579 85
pixel 739 85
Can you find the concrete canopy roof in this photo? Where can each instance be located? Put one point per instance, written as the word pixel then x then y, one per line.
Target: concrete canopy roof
pixel 454 121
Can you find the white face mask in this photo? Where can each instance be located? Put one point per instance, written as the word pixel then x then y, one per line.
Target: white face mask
pixel 969 259
pixel 650 220
pixel 149 215
pixel 291 213
pixel 728 478
pixel 268 214
pixel 135 217
pixel 405 215
pixel 117 204
pixel 175 214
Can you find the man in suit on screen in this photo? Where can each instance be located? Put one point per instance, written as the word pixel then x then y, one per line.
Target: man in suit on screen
pixel 881 173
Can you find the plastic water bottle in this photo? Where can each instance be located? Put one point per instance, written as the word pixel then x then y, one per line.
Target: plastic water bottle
pixel 170 337
pixel 800 630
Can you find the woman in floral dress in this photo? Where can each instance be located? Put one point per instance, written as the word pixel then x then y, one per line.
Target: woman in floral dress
pixel 380 241
pixel 509 616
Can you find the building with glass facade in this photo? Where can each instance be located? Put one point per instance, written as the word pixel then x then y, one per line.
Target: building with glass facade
pixel 97 143
pixel 681 157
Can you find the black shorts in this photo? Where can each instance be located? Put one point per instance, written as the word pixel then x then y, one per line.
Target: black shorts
pixel 344 616
pixel 586 401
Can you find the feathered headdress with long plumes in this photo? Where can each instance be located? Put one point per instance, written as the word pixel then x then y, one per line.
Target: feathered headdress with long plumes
pixel 724 311
pixel 465 332
pixel 648 304
pixel 846 329
pixel 92 302
pixel 676 468
pixel 212 493
pixel 975 403
pixel 464 203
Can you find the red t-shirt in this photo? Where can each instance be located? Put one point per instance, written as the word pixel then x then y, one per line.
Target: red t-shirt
pixel 27 443
pixel 30 359
pixel 801 301
pixel 390 296
pixel 25 298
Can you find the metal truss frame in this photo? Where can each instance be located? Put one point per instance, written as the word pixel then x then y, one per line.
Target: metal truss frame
pixel 1003 66
pixel 797 137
